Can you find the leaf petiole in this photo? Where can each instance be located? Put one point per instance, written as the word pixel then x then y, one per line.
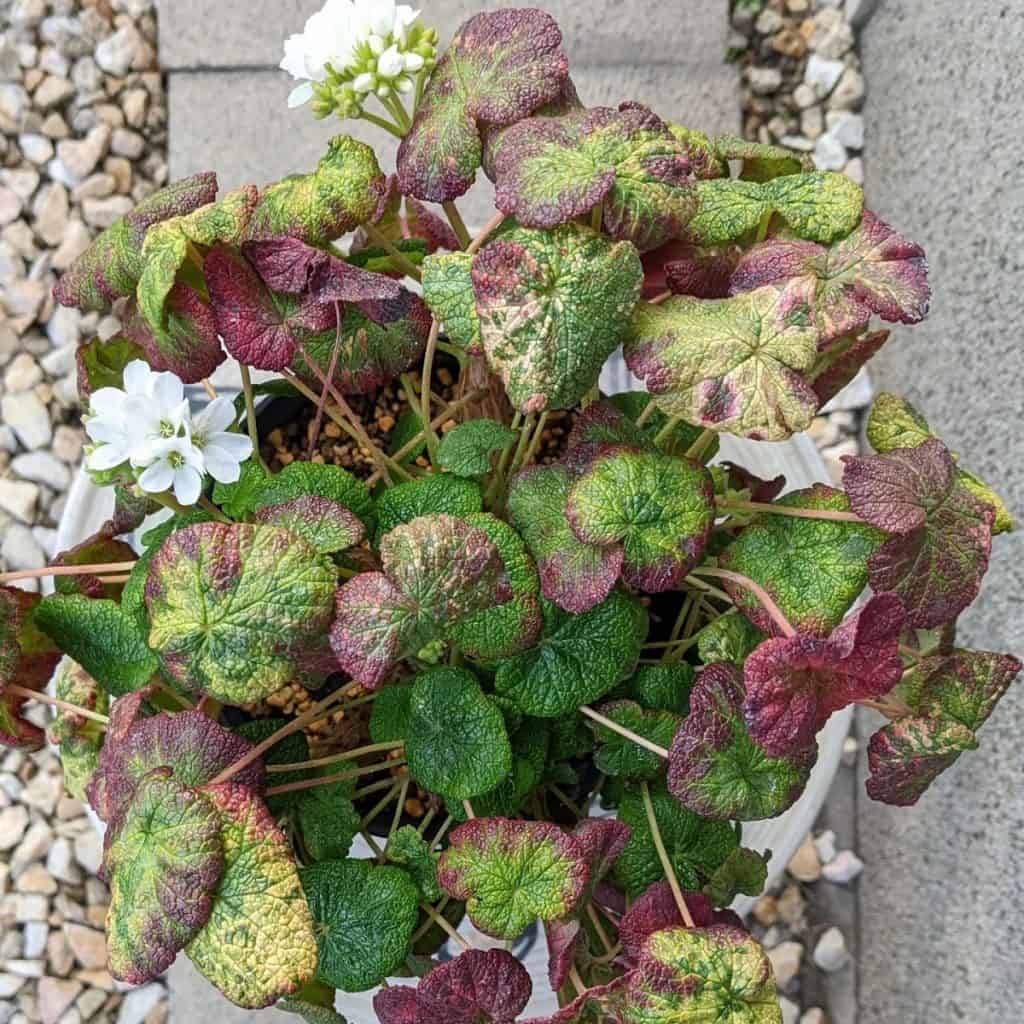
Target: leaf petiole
pixel 666 864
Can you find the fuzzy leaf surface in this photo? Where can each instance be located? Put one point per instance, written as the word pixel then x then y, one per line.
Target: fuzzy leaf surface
pixel 342 193
pixel 302 479
pixel 553 169
pixel 814 569
pixel 664 687
pixel 512 872
pixel 696 846
pixel 905 757
pixel 820 205
pixel 325 525
pixel 448 291
pixel 379 340
pixel 164 861
pixel 716 974
pixel 409 850
pixel 761 162
pixel 734 365
pixel 437 570
pixel 232 607
pixel 717 770
pixel 731 638
pixel 936 562
pixel 500 67
pixel 431 495
pixel 574 575
pixel 553 307
pixel 101 638
pixel 577 661
pixel 27 658
pixel 258 944
pixel 795 683
pixel 468 449
pixel 457 743
pixel 873 270
pixel 80 739
pixel 619 755
pixel 477 987
pixel 661 509
pixel 364 915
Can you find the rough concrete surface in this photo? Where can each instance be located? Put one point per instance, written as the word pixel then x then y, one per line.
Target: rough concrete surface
pixel 943 895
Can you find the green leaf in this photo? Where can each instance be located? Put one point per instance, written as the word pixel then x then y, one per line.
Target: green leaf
pixel 501 66
pixel 258 944
pixel 233 607
pixel 660 508
pixel 715 768
pixel 457 743
pixel 576 576
pixel 578 662
pixel 553 307
pixel 327 820
pixel 409 850
pixel 80 739
pixel 432 495
pixel 820 205
pixel 448 291
pixel 325 525
pixel 732 365
pixel 730 637
pixel 101 364
pixel 814 569
pixel 389 722
pixel 619 755
pixel 705 161
pixel 467 450
pixel 696 847
pixel 342 193
pixel 437 571
pixel 512 872
pixel 717 974
pixel 105 641
pixel 664 687
pixel 744 872
pixel 761 162
pixel 312 1013
pixel 504 630
pixel 242 497
pixel 365 916
pixel 551 170
pixel 163 858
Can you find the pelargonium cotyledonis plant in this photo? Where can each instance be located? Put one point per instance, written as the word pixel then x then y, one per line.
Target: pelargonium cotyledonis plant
pixel 569 655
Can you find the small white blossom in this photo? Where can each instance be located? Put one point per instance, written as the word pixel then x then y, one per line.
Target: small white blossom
pixel 369 46
pixel 223 452
pixel 179 467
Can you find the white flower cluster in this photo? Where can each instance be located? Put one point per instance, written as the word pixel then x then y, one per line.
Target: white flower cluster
pixel 148 425
pixel 365 47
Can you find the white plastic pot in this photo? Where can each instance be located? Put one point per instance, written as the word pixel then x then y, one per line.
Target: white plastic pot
pixel 88 507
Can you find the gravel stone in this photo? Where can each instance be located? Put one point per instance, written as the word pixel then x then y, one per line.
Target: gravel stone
pixel 139 1002
pixel 79 158
pixel 846 867
pixel 830 952
pixel 805 865
pixel 28 418
pixel 847 127
pixel 55 996
pixel 849 93
pixel 88 945
pixel 89 850
pixel 822 75
pixel 786 958
pixel 764 81
pixel 13 822
pixel 43 468
pixel 20 499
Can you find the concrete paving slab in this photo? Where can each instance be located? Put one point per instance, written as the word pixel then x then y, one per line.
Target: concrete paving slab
pixel 943 894
pixel 262 140
pixel 249 33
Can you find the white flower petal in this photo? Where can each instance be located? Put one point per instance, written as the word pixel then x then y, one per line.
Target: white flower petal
pixel 158 478
pixel 188 485
pixel 137 377
pixel 221 466
pixel 404 85
pixel 168 390
pixel 107 456
pixel 413 62
pixel 105 431
pixel 107 402
pixel 363 83
pixel 236 446
pixel 390 64
pixel 300 95
pixel 216 417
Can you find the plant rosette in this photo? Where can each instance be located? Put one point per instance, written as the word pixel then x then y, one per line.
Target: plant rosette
pixel 542 661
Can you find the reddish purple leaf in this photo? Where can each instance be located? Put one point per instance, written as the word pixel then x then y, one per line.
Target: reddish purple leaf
pixel 189 744
pixel 741 479
pixel 290 265
pixel 937 561
pixel 963 685
pixel 602 840
pixel 906 756
pixel 684 269
pixel 795 683
pixel 396 1004
pixel 845 359
pixel 597 1005
pixel 563 938
pixel 187 344
pixel 872 270
pixel 477 987
pixel 260 328
pixel 657 909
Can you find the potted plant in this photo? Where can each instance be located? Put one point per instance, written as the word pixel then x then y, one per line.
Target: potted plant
pixel 464 599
